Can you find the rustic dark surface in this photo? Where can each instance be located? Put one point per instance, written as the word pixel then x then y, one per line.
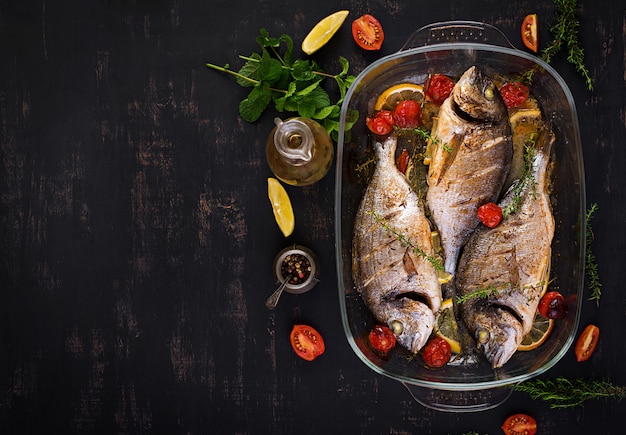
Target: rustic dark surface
pixel 136 237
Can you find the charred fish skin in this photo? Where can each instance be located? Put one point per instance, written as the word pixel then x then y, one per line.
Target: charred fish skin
pixel 511 264
pixel 471 159
pixel 397 282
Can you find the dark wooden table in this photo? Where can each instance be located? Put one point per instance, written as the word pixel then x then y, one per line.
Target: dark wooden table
pixel 137 239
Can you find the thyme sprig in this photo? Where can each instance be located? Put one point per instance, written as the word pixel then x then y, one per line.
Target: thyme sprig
pixel 564 35
pixel 593 277
pixel 565 393
pixel 406 241
pixel 526 179
pixel 426 135
pixel 480 293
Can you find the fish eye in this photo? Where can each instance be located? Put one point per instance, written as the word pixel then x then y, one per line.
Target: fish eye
pixel 488 93
pixel 482 335
pixel 397 327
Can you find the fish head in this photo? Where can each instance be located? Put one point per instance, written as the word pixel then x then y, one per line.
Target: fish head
pixel 498 333
pixel 411 321
pixel 476 98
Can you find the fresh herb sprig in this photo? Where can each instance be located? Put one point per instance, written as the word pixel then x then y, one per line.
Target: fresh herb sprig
pixel 406 241
pixel 527 178
pixel 565 393
pixel 565 33
pixel 480 293
pixel 593 277
pixel 292 85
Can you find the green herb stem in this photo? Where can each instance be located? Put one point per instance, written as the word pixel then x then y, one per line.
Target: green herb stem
pixel 564 393
pixel 591 267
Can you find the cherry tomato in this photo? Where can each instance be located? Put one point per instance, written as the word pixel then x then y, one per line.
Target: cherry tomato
pixel 553 305
pixel 438 88
pixel 382 339
pixel 514 94
pixel 381 123
pixel 402 162
pixel 518 424
pixel 306 342
pixel 490 214
pixel 407 114
pixel 586 343
pixel 529 32
pixel 367 32
pixel 437 352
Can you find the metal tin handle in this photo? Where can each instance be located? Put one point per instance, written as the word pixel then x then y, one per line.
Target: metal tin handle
pixel 457 31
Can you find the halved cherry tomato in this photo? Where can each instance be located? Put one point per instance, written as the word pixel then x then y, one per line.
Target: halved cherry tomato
pixel 382 339
pixel 437 352
pixel 529 32
pixel 553 305
pixel 381 123
pixel 438 88
pixel 586 343
pixel 490 214
pixel 407 114
pixel 306 342
pixel 402 162
pixel 514 94
pixel 518 424
pixel 367 32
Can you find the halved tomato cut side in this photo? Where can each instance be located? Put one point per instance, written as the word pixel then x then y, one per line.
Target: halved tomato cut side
pixel 367 32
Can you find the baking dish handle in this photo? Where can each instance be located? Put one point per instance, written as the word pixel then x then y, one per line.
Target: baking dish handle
pixel 457 31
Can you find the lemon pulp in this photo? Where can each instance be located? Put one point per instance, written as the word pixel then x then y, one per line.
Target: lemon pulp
pixel 321 33
pixel 390 98
pixel 446 326
pixel 538 334
pixel 281 206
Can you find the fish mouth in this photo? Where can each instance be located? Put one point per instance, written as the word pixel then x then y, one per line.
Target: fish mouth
pixel 463 114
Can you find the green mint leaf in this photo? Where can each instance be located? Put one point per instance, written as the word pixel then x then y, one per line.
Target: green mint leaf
pixel 270 70
pixel 323 113
pixel 249 69
pixel 302 70
pixel 306 109
pixel 257 101
pixel 287 57
pixel 345 65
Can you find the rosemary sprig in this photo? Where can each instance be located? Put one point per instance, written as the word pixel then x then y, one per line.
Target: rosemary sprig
pixel 565 33
pixel 404 240
pixel 591 266
pixel 565 393
pixel 527 178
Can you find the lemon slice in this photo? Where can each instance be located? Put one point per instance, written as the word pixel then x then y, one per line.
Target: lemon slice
pixel 390 98
pixel 525 124
pixel 446 326
pixel 321 33
pixel 281 205
pixel 538 334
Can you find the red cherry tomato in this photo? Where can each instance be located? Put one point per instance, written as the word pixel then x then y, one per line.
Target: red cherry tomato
pixel 520 424
pixel 402 162
pixel 438 88
pixel 586 343
pixel 553 305
pixel 367 32
pixel 306 342
pixel 382 339
pixel 514 94
pixel 381 123
pixel 407 114
pixel 529 32
pixel 437 352
pixel 490 214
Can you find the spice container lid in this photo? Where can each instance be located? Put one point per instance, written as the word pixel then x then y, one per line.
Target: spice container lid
pixel 302 264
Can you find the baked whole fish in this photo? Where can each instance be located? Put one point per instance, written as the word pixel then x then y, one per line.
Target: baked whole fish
pixel 470 160
pixel 509 263
pixel 393 266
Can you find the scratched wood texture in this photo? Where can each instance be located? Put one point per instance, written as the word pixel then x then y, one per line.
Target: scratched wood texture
pixel 136 237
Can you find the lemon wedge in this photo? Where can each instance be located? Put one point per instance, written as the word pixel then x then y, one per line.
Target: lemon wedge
pixel 281 205
pixel 390 97
pixel 446 326
pixel 538 334
pixel 323 31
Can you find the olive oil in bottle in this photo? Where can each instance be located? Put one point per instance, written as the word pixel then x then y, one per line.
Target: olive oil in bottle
pixel 299 151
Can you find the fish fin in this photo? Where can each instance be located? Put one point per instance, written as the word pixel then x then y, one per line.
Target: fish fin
pixel 443 157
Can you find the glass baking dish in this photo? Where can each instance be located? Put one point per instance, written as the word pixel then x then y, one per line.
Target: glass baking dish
pixel 450 48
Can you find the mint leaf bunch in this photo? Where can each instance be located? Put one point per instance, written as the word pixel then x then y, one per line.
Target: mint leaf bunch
pixel 294 86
